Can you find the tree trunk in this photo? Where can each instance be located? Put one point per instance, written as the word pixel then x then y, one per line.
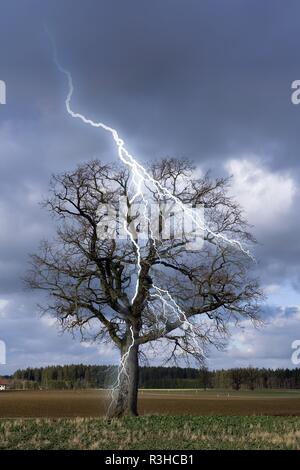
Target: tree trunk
pixel 124 400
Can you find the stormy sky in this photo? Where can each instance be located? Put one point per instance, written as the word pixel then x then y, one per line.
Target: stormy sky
pixel 208 80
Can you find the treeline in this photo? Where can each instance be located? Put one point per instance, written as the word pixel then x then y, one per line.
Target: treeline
pixel 83 376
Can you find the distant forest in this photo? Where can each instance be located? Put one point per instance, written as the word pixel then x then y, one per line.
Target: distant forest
pixel 85 376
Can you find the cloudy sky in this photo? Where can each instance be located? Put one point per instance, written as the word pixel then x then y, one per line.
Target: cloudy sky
pixel 208 80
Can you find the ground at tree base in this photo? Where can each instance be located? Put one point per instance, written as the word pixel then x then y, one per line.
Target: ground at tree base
pixel 152 433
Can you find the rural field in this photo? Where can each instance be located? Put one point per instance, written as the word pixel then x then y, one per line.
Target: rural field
pixel 170 419
pixel 93 403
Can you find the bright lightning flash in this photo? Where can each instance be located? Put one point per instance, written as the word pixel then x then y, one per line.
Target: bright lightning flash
pixel 140 176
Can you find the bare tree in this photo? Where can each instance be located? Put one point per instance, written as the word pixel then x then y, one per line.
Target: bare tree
pixel 156 291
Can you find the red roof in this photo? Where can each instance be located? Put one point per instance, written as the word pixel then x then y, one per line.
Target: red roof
pixel 4 382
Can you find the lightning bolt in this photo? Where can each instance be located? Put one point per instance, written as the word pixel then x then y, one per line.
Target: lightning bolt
pixel 172 305
pixel 122 371
pixel 140 174
pixel 140 178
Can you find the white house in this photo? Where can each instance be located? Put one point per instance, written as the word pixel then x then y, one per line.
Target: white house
pixel 3 385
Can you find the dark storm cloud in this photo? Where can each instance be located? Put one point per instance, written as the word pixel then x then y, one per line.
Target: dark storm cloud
pixel 32 340
pixel 209 80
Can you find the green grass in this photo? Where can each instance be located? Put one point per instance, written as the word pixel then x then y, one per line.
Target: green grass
pixel 152 432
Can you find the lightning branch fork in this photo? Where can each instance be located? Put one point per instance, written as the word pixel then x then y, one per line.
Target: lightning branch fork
pixel 167 315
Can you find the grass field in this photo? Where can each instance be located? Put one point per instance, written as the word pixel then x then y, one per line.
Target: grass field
pixel 93 403
pixel 170 419
pixel 152 432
